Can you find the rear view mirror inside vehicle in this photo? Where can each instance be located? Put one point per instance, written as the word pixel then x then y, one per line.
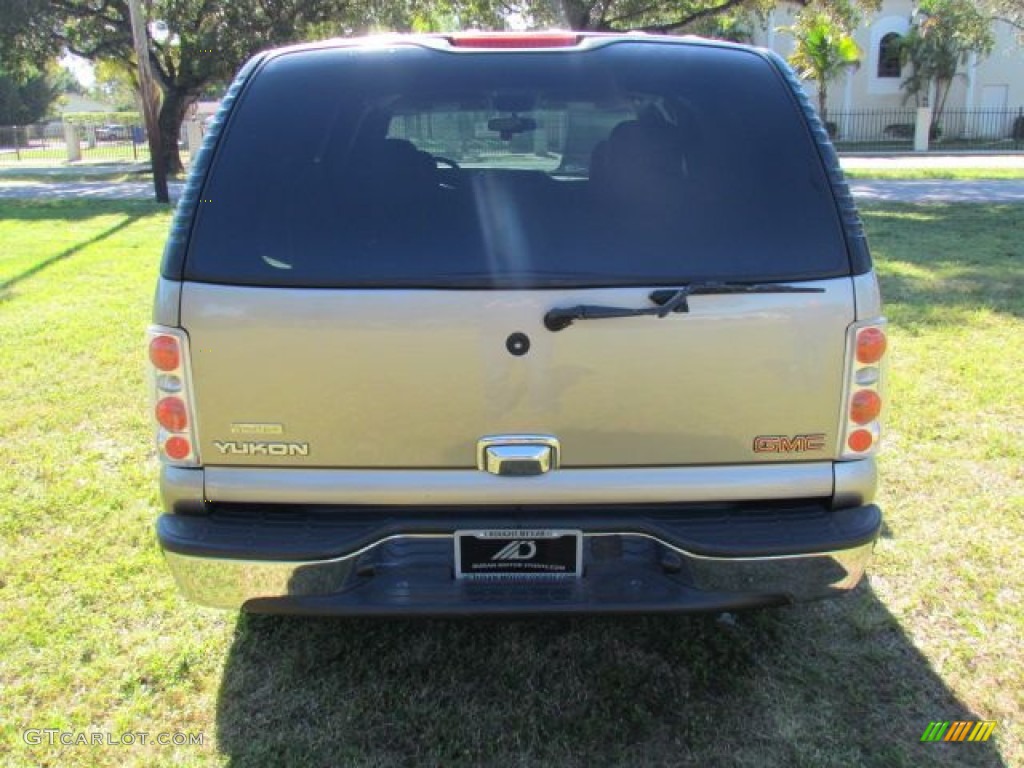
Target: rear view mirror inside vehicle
pixel 508 127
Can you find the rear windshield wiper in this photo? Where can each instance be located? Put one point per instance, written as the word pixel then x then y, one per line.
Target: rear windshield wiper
pixel 665 302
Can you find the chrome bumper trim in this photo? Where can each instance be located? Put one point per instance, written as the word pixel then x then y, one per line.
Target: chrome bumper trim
pixel 230 583
pixel 570 486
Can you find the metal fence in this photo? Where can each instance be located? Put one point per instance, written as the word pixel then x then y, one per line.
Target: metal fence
pixel 113 142
pixel 858 130
pixel 43 141
pixel 52 143
pixel 873 130
pixel 980 129
pixel 956 130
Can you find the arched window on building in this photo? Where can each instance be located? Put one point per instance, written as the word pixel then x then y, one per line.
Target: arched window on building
pixel 889 55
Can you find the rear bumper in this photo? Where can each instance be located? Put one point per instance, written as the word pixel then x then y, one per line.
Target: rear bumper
pixel 644 560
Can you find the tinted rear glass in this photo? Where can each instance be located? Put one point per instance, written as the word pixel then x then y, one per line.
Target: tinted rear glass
pixel 632 164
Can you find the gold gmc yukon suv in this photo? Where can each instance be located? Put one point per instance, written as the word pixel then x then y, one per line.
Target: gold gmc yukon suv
pixel 533 323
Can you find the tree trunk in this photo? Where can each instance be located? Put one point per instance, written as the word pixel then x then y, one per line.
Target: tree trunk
pixel 823 102
pixel 172 112
pixel 575 13
pixel 942 88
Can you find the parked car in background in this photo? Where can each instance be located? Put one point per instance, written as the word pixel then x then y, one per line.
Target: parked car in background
pixel 113 132
pixel 537 323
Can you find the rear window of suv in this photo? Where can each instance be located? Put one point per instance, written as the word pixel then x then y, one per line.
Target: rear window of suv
pixel 403 166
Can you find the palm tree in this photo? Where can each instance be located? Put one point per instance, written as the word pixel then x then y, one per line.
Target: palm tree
pixel 823 49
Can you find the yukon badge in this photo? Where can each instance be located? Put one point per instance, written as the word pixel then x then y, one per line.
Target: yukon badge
pixel 236 448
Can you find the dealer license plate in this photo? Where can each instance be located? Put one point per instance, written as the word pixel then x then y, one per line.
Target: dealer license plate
pixel 514 554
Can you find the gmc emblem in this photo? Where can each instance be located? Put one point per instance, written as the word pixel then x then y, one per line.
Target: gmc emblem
pixel 787 444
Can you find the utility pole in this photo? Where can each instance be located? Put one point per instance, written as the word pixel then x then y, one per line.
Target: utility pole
pixel 148 92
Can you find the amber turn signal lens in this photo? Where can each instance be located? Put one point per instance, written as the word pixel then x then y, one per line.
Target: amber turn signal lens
pixel 865 406
pixel 871 343
pixel 860 440
pixel 164 353
pixel 171 414
pixel 177 447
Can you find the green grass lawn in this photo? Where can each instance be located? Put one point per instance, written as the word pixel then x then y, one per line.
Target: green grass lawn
pixel 952 174
pixel 93 636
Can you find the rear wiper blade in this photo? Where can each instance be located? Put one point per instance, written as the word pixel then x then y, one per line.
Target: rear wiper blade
pixel 665 301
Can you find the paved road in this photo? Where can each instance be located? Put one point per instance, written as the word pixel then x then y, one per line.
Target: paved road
pixel 924 191
pixel 939 191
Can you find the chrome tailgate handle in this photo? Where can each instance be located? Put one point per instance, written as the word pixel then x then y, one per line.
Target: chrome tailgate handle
pixel 517 455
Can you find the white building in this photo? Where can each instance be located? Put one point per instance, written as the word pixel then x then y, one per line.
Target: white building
pixel 995 82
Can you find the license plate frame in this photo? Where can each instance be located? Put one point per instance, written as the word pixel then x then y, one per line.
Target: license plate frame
pixel 519 554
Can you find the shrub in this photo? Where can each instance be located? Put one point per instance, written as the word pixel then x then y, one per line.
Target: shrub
pixel 1018 129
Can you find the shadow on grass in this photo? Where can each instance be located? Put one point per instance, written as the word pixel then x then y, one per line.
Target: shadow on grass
pixel 938 260
pixel 7 285
pixel 832 683
pixel 75 209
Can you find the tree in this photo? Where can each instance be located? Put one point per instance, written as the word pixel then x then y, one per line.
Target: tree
pixel 207 41
pixel 734 27
pixel 64 81
pixel 942 34
pixel 25 98
pixel 1009 11
pixel 607 15
pixel 116 84
pixel 823 49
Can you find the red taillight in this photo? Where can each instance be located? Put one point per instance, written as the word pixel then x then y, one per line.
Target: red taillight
pixel 865 366
pixel 871 343
pixel 164 353
pixel 860 440
pixel 524 40
pixel 171 381
pixel 865 405
pixel 171 414
pixel 177 447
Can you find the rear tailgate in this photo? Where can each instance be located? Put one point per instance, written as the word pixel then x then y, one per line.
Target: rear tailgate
pixel 413 378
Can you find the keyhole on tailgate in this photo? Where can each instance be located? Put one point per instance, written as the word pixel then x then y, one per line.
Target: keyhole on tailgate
pixel 518 344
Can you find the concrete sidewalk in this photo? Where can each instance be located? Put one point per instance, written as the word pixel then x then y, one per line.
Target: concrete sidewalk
pixel 929 161
pixel 937 191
